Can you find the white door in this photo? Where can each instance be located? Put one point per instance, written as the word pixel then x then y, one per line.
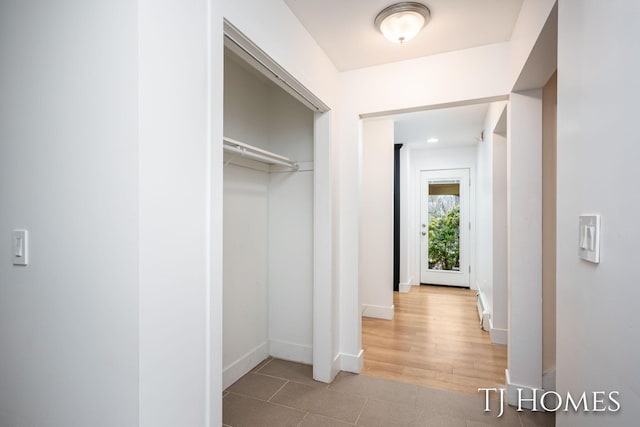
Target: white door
pixel 444 227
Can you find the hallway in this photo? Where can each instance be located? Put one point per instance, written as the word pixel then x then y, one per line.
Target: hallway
pixel 435 340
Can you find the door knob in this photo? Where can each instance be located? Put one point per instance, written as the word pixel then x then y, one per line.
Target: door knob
pixel 424 233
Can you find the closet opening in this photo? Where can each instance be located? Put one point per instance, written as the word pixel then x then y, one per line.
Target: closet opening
pixel 273 188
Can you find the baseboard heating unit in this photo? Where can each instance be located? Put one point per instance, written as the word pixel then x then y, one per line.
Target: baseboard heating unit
pixel 483 314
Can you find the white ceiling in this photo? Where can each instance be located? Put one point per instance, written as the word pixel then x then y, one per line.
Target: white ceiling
pixel 345 30
pixel 455 126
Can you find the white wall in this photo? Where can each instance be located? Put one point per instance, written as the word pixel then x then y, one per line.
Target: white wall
pixel 246 194
pixel 499 317
pixel 246 103
pixel 180 297
pixel 524 213
pixel 376 219
pixel 68 167
pixel 245 314
pixel 533 66
pixel 428 158
pixel 549 229
pixel 291 239
pixel 597 305
pixel 215 190
pixel 494 294
pixel 291 266
pixel 109 324
pixel 427 81
pixel 290 126
pixel 531 20
pixel 406 216
pixel 326 262
pixel 484 210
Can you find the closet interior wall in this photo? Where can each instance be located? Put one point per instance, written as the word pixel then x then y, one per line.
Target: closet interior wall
pixel 268 226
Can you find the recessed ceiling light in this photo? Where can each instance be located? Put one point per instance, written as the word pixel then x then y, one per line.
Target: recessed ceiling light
pixel 432 140
pixel 402 21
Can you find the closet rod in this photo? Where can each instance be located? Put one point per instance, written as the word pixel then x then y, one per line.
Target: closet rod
pixel 259 154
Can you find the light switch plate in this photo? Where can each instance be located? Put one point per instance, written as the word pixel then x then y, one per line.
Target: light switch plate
pixel 20 247
pixel 589 238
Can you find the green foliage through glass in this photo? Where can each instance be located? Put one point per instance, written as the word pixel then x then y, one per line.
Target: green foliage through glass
pixel 444 241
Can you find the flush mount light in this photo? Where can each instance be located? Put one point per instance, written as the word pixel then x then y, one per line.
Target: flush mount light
pixel 402 21
pixel 432 140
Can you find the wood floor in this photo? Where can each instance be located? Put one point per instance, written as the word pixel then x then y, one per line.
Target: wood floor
pixel 435 340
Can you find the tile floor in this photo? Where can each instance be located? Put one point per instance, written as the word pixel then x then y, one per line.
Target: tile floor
pixel 280 393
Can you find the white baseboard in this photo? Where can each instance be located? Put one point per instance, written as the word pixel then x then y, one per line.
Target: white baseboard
pixel 352 363
pixel 378 311
pixel 290 351
pixel 404 287
pixel 246 363
pixel 498 336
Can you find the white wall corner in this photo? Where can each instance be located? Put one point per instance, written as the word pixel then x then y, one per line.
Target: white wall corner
pixel 291 351
pixel 352 363
pixel 473 277
pixel 378 311
pixel 522 393
pixel 404 287
pixel 246 363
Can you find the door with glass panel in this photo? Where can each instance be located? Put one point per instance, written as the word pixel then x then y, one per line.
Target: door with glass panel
pixel 444 227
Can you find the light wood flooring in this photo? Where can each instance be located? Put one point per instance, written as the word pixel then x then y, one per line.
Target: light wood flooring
pixel 435 340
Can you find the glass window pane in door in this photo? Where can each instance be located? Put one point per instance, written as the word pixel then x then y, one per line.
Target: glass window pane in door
pixel 444 224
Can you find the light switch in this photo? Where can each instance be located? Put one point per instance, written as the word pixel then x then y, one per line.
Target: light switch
pixel 20 247
pixel 589 238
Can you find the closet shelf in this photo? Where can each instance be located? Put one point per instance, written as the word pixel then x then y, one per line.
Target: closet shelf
pixel 255 153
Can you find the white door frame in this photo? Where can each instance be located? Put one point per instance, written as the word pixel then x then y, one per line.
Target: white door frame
pixel 450 278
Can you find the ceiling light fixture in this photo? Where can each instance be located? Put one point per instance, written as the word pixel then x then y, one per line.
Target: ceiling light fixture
pixel 432 140
pixel 402 21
